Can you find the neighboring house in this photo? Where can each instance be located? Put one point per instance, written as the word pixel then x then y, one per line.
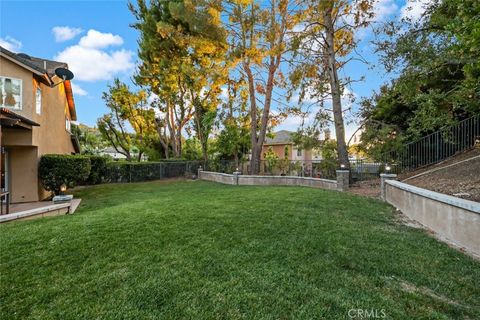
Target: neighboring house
pixel 283 139
pixel 35 118
pixel 111 152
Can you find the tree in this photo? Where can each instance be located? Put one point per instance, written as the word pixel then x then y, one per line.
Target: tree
pixel 90 139
pixel 182 51
pixel 438 82
pixel 233 141
pixel 127 107
pixel 258 42
pixel 325 45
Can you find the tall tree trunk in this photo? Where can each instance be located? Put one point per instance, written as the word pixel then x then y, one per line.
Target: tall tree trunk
pixel 200 130
pixel 162 137
pixel 335 89
pixel 178 137
pixel 255 153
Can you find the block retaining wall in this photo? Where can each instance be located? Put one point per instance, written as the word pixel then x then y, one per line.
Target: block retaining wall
pixel 455 219
pixel 252 180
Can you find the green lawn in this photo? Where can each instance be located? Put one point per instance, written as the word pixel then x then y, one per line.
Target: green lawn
pixel 199 250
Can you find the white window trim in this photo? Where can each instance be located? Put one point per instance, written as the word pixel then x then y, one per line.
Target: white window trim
pixel 68 124
pixel 21 93
pixel 38 107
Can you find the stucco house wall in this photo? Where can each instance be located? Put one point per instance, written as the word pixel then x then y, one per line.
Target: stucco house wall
pixel 25 147
pixel 278 149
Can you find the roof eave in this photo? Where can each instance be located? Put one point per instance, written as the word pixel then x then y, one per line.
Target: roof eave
pixel 38 73
pixel 4 112
pixel 43 76
pixel 70 100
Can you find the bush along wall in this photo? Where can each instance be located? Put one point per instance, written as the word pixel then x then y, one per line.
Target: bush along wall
pixel 57 169
pixel 98 169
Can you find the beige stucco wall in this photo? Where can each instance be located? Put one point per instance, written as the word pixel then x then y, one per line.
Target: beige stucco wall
pixel 23 169
pixel 50 137
pixel 452 218
pixel 10 69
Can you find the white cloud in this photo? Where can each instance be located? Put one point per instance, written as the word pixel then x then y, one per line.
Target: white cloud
pixel 10 44
pixel 65 33
pixel 96 39
pixel 384 9
pixel 89 62
pixel 414 9
pixel 77 90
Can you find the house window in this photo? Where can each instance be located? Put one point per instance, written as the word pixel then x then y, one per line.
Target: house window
pixel 11 93
pixel 68 125
pixel 299 152
pixel 38 101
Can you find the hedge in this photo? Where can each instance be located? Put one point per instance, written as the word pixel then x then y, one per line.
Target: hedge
pixel 57 169
pixel 98 170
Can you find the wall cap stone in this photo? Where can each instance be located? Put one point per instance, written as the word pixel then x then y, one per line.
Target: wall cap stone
pixel 453 201
pixel 241 176
pixel 33 212
pixel 388 175
pixel 218 173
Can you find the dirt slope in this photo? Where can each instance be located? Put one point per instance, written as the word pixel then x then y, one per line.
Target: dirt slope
pixel 452 177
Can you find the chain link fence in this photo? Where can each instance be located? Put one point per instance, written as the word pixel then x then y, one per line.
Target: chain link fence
pixel 118 172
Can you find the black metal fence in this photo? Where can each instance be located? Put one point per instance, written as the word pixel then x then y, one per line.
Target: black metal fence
pixel 279 167
pixel 146 171
pixel 425 151
pixel 364 169
pixel 434 147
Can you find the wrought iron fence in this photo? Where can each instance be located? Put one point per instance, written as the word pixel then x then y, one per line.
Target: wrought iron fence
pixel 279 167
pixel 364 169
pixel 434 147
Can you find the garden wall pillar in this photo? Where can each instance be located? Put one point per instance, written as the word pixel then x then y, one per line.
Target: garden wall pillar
pixel 235 177
pixel 343 180
pixel 384 177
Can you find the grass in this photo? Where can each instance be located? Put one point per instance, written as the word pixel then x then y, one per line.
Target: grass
pixel 199 250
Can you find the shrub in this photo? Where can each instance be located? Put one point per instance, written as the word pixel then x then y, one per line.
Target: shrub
pixel 98 169
pixel 57 169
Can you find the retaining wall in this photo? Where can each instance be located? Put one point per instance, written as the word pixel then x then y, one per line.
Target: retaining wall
pixel 247 180
pixel 456 219
pixel 217 177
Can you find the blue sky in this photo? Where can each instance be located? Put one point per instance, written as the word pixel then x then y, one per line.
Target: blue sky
pixel 95 39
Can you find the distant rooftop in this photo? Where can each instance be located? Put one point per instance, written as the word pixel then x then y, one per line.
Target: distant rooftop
pixel 280 137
